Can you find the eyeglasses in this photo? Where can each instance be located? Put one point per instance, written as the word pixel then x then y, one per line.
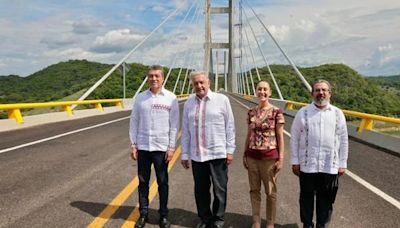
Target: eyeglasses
pixel 322 90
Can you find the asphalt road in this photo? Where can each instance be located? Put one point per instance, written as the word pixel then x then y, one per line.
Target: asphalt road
pixel 68 181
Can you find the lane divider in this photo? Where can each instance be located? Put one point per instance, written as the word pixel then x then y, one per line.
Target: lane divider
pixel 61 135
pixel 358 179
pixel 133 217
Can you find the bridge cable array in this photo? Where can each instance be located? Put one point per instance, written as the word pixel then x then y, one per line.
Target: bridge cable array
pixel 281 50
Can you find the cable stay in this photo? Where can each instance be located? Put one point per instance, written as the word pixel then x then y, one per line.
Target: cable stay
pixel 252 55
pixel 249 69
pixel 265 59
pixel 284 54
pixel 178 31
pixel 91 89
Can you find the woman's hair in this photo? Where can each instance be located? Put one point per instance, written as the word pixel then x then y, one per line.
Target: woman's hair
pixel 263 81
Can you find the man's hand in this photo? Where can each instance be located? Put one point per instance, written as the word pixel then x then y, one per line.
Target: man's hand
pixel 341 171
pixel 296 169
pixel 229 159
pixel 134 153
pixel 245 162
pixel 169 154
pixel 185 164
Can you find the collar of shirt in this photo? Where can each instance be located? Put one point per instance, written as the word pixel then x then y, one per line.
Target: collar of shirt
pixel 315 108
pixel 210 95
pixel 162 92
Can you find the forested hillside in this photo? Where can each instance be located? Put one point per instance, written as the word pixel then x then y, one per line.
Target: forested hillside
pixel 351 90
pixel 388 83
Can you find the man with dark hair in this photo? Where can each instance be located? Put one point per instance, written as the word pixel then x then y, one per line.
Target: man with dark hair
pixel 153 131
pixel 319 146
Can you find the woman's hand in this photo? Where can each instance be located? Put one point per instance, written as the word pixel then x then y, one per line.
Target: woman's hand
pixel 246 166
pixel 278 165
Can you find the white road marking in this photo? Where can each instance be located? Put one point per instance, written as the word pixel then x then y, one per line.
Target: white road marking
pixel 60 135
pixel 361 181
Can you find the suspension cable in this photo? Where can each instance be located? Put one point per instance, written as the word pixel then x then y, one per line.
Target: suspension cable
pixel 178 30
pixel 191 57
pixel 252 55
pixel 91 89
pixel 284 54
pixel 250 74
pixel 265 59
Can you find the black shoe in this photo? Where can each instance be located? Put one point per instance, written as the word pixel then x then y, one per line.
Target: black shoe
pixel 141 222
pixel 164 223
pixel 308 226
pixel 218 224
pixel 202 225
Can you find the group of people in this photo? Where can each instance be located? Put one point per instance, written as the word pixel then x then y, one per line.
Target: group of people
pixel 319 145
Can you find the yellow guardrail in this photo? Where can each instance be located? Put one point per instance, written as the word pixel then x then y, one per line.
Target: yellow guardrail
pixel 183 96
pixel 367 120
pixel 14 110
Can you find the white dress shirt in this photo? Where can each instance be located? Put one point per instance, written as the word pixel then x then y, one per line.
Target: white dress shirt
pixel 154 121
pixel 319 140
pixel 208 128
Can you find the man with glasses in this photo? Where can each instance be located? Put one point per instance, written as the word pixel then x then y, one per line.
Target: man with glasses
pixel 153 129
pixel 319 146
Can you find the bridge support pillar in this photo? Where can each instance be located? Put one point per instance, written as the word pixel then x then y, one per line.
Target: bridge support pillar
pixel 230 46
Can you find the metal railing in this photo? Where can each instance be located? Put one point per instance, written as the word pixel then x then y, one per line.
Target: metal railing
pixel 367 120
pixel 14 110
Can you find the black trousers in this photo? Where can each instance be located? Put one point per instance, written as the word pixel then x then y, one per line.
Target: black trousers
pixel 145 159
pixel 205 173
pixel 324 187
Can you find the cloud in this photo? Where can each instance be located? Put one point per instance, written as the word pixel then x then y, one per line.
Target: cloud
pixel 116 41
pixel 385 60
pixel 86 26
pixel 280 33
pixel 57 42
pixel 75 53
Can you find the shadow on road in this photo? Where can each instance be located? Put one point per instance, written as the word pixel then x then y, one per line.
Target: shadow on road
pixel 178 217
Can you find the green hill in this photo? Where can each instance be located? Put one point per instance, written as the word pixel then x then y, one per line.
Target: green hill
pixel 351 90
pixel 388 83
pixel 67 78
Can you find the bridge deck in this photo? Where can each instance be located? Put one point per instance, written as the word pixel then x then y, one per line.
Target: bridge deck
pixel 68 181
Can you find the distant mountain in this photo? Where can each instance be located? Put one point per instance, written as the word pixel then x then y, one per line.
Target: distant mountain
pixel 351 90
pixel 388 83
pixel 65 78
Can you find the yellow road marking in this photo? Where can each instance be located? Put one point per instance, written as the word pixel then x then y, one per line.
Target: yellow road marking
pixel 113 206
pixel 131 220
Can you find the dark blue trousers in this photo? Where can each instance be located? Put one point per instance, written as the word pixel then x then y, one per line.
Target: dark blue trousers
pixel 145 159
pixel 205 173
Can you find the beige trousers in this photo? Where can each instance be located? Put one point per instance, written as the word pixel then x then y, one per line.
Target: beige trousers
pixel 262 171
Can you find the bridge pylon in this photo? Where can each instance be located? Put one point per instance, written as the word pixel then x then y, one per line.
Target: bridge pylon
pixel 229 46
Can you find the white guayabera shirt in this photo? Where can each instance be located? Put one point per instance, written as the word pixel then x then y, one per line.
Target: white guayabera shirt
pixel 154 121
pixel 208 128
pixel 319 140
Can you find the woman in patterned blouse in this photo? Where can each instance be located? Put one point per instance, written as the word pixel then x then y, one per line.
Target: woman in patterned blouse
pixel 264 153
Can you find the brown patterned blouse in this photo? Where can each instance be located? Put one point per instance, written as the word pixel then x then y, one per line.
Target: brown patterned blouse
pixel 262 139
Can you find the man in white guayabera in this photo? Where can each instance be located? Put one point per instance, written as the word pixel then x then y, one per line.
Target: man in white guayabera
pixel 153 131
pixel 319 146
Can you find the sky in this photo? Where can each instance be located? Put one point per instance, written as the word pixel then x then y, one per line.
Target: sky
pixel 37 33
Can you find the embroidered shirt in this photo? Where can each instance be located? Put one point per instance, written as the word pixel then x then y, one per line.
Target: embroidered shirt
pixel 208 128
pixel 262 124
pixel 319 139
pixel 154 121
